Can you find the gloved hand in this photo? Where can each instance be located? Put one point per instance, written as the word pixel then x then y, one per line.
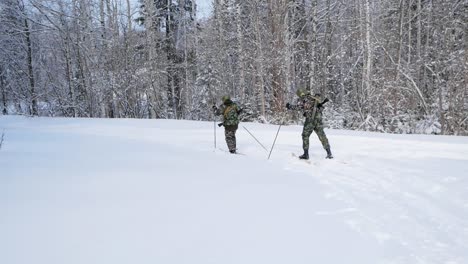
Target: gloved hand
pixel 288 106
pixel 320 105
pixel 220 124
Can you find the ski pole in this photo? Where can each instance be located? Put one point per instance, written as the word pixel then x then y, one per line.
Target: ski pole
pixel 256 139
pixel 272 146
pixel 214 123
pixel 214 127
pixel 1 138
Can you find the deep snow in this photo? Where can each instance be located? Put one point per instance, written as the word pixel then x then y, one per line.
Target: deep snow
pixel 156 191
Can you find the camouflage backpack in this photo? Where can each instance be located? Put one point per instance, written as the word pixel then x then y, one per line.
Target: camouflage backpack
pixel 230 114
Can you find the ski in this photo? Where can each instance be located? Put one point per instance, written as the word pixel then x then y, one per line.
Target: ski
pixel 237 153
pixel 297 157
pixel 317 162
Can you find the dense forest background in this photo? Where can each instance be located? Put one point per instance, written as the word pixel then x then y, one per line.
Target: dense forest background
pixel 396 66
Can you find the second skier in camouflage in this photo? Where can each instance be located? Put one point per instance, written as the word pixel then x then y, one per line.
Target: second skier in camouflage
pixel 312 107
pixel 230 112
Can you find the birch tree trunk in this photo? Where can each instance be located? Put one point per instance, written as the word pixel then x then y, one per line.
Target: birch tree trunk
pixel 400 41
pixel 68 74
pixel 32 84
pixel 326 63
pixel 240 50
pixel 313 42
pixel 369 55
pixel 408 62
pixel 3 90
pixel 103 52
pixel 184 92
pixel 260 60
pixel 418 42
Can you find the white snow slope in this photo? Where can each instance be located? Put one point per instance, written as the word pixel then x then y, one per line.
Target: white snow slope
pixel 100 191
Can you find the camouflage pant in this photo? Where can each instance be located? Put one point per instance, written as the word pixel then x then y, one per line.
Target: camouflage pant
pixel 316 125
pixel 230 133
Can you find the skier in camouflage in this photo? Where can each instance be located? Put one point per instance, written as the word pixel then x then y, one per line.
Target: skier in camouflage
pixel 312 107
pixel 230 112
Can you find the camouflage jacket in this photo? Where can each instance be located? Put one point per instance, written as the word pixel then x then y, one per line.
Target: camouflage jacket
pixel 307 104
pixel 230 112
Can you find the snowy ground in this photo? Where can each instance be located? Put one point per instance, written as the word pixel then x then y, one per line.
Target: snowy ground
pixel 94 191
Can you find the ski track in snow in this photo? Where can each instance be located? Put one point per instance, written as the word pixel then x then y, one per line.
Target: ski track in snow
pixel 407 193
pixel 383 190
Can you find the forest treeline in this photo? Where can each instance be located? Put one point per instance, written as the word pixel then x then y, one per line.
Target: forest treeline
pixel 396 66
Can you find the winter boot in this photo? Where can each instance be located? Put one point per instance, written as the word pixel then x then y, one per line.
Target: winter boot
pixel 329 154
pixel 305 155
pixel 232 151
